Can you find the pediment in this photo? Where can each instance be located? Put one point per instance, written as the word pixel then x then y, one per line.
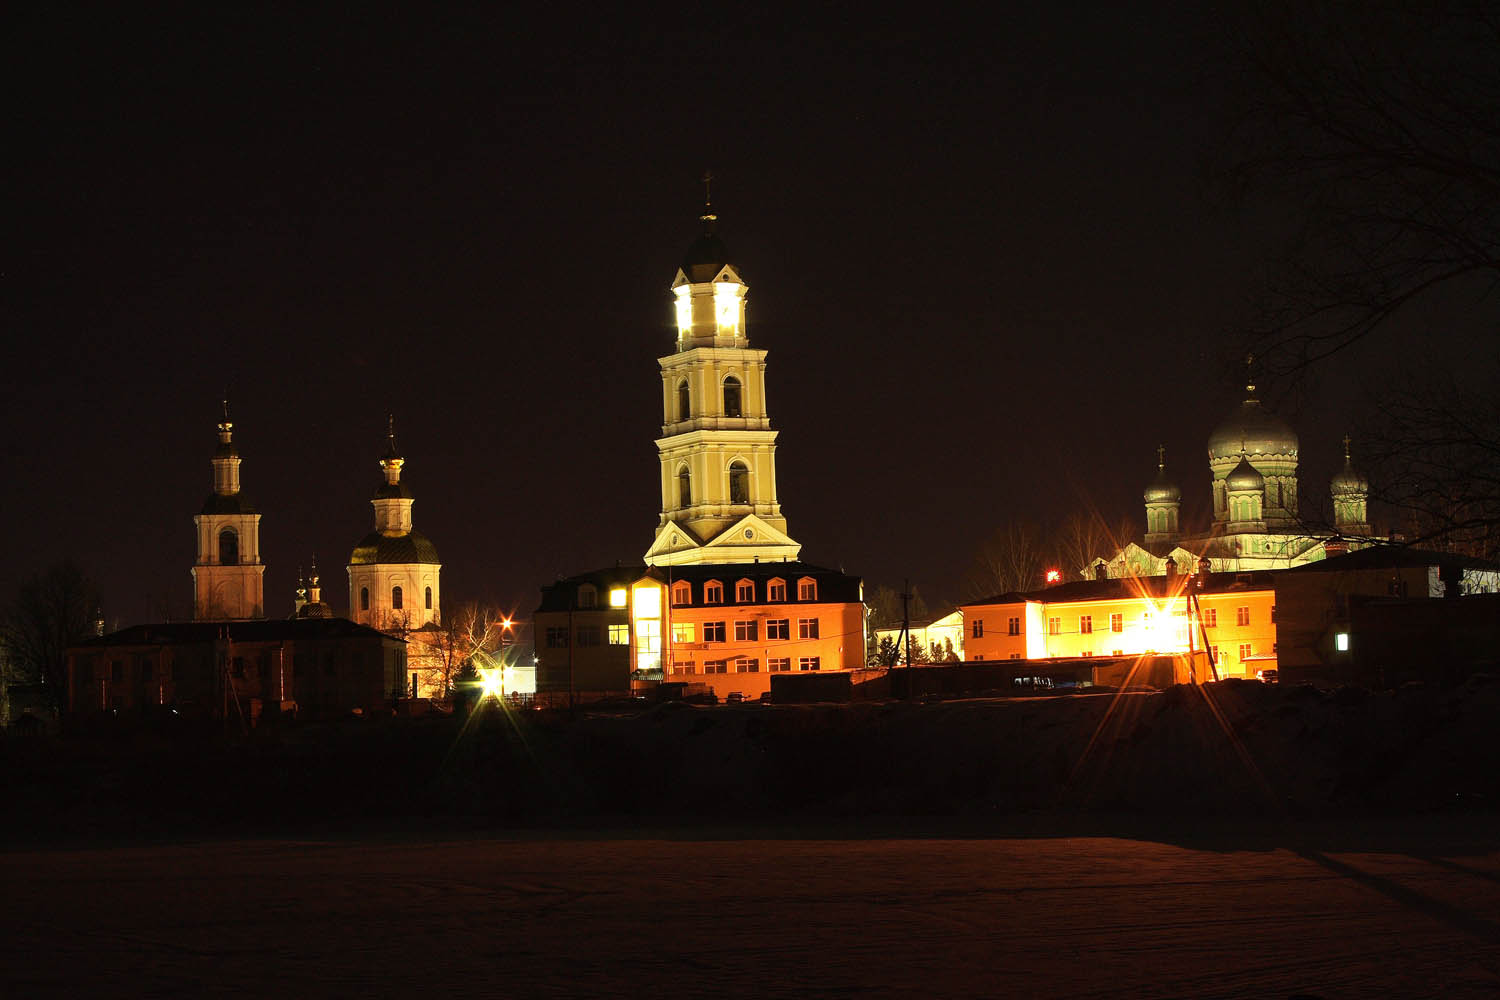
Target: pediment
pixel 750 531
pixel 673 538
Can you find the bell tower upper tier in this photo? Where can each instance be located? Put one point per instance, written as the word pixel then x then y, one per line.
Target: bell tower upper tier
pixel 717 450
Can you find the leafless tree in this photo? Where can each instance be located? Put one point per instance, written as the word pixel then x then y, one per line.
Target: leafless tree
pixel 472 629
pixel 1012 559
pixel 1380 125
pixel 49 612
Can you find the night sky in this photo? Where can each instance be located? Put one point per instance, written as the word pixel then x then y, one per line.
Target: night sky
pixel 984 259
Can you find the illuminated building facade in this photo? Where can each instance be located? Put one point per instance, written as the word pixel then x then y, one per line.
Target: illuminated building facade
pixel 1233 616
pixel 1252 459
pixel 717 451
pixel 395 577
pixel 938 638
pixel 728 627
pixel 228 576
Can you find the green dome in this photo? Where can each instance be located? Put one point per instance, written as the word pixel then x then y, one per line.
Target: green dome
pixel 1245 477
pixel 412 547
pixel 1348 482
pixel 1250 429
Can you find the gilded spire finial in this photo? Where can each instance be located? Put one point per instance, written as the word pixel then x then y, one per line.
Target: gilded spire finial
pixel 1347 458
pixel 1161 458
pixel 708 217
pixel 1249 377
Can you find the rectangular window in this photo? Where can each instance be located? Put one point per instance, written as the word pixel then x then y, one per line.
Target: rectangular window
pixel 1015 656
pixel 713 592
pixel 978 628
pixel 557 637
pixel 1117 623
pixel 1087 653
pixel 1013 626
pixel 684 632
pixel 778 628
pixel 1118 652
pixel 682 593
pixel 588 635
pixel 807 590
pixel 617 597
pixel 1242 616
pixel 619 635
pixel 1054 626
pixel 716 667
pixel 713 631
pixel 1341 642
pixel 807 628
pixel 746 631
pixel 1217 657
pixel 746 665
pixel 1085 624
pixel 779 664
pixel 744 592
pixel 776 591
pixel 1210 617
pixel 685 667
pixel 810 663
pixel 1244 651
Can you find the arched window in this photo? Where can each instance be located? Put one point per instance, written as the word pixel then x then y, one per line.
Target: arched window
pixel 739 482
pixel 429 598
pixel 364 598
pixel 684 401
pixel 396 598
pixel 684 487
pixel 732 397
pixel 229 548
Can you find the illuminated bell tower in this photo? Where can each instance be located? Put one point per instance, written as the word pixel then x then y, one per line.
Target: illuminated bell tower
pixel 228 576
pixel 717 449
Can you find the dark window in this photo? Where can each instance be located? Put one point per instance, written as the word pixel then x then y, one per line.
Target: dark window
pixel 684 488
pixel 732 397
pixel 739 483
pixel 557 638
pixel 778 628
pixel 978 628
pixel 746 631
pixel 237 667
pixel 328 669
pixel 229 548
pixel 713 631
pixel 396 598
pixel 588 635
pixel 684 401
pixel 364 598
pixel 117 671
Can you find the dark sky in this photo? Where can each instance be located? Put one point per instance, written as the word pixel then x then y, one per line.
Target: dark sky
pixel 982 256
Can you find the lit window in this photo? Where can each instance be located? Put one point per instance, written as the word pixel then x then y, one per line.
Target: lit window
pixel 684 632
pixel 732 406
pixel 810 663
pixel 746 631
pixel 778 628
pixel 619 635
pixel 713 592
pixel 1117 623
pixel 1086 626
pixel 1013 626
pixel 978 629
pixel 1210 617
pixel 713 631
pixel 1054 626
pixel 744 592
pixel 807 628
pixel 807 589
pixel 1242 616
pixel 617 597
pixel 1341 642
pixel 726 307
pixel 779 664
pixel 776 591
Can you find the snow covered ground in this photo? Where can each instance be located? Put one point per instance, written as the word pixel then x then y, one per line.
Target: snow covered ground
pixel 1339 910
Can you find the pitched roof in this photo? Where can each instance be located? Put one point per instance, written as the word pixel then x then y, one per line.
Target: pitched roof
pixel 167 633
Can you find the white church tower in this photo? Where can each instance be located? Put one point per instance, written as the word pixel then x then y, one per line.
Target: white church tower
pixel 717 449
pixel 228 576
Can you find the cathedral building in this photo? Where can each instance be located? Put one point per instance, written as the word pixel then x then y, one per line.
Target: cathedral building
pixel 394 576
pixel 721 597
pixel 228 576
pixel 1257 523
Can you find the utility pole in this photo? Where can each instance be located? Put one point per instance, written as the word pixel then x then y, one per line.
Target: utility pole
pixel 906 630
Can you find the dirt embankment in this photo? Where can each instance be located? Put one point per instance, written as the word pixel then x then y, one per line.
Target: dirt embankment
pixel 1224 750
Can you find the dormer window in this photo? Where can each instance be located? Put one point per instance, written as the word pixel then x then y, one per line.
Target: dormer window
pixel 713 592
pixel 744 592
pixel 682 593
pixel 807 589
pixel 776 590
pixel 588 596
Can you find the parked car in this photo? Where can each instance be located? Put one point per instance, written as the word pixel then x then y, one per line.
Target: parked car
pixel 1267 676
pixel 734 698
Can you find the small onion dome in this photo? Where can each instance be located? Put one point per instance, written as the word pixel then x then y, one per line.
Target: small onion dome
pixel 705 258
pixel 412 547
pixel 1245 477
pixel 1162 491
pixel 1348 481
pixel 315 609
pixel 1250 429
